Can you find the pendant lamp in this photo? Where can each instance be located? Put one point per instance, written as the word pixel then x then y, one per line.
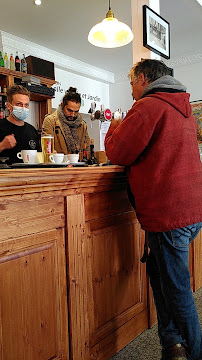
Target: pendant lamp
pixel 110 33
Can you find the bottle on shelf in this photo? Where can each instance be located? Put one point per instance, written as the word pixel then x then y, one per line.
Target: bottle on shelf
pixel 24 64
pixel 92 161
pixel 17 62
pixel 84 157
pixel 1 60
pixel 6 62
pixel 12 62
pixel 1 109
pixel 4 90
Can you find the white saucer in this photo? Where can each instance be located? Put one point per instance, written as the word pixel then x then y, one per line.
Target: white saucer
pixel 58 164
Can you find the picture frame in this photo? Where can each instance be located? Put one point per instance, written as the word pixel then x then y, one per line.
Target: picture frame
pixel 156 33
pixel 197 112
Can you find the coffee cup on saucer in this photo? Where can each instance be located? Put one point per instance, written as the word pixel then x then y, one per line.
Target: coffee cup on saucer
pixel 28 156
pixel 56 158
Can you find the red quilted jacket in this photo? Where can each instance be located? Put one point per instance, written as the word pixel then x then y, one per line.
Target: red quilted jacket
pixel 158 144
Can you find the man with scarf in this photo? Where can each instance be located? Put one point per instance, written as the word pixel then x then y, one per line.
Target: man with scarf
pixel 66 124
pixel 157 142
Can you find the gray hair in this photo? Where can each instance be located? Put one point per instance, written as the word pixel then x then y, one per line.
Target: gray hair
pixel 151 69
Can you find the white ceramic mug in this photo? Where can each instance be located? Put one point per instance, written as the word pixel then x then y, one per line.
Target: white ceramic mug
pixel 28 156
pixel 56 158
pixel 73 158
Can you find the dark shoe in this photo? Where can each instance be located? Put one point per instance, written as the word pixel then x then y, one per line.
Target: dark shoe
pixel 175 352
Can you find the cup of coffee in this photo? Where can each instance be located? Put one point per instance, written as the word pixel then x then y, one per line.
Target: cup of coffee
pixel 73 158
pixel 28 156
pixel 56 158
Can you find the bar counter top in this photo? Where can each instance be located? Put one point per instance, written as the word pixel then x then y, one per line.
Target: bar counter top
pixel 23 179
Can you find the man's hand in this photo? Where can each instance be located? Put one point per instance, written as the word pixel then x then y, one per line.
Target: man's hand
pixel 115 123
pixel 8 142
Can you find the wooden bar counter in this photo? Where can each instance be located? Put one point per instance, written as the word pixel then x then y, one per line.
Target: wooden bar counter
pixel 71 282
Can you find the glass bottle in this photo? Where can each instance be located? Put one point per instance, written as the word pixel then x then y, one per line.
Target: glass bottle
pixel 24 64
pixel 17 62
pixel 1 109
pixel 12 63
pixel 84 158
pixel 6 62
pixel 1 60
pixel 92 161
pixel 4 90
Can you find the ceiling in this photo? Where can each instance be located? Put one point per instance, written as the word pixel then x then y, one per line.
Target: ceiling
pixel 63 26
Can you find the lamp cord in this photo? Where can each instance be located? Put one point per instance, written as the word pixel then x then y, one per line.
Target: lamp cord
pixel 109 5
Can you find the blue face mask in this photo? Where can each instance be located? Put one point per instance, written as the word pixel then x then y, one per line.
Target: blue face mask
pixel 20 113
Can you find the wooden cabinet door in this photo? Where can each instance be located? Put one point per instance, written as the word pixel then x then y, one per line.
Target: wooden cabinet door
pixel 117 305
pixel 107 290
pixel 33 308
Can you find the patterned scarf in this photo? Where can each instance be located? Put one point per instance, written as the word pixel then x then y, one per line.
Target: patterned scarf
pixel 70 128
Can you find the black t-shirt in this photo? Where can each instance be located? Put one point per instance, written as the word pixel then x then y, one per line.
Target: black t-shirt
pixel 26 137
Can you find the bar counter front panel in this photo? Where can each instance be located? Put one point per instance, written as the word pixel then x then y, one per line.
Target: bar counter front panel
pixel 72 284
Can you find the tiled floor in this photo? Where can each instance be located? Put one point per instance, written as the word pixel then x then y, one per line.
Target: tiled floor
pixel 146 346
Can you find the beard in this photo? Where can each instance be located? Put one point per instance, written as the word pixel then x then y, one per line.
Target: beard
pixel 71 118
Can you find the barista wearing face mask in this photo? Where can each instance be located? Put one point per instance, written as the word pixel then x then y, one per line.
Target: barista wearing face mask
pixel 66 124
pixel 15 133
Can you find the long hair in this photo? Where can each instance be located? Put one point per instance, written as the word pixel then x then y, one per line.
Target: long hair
pixel 71 95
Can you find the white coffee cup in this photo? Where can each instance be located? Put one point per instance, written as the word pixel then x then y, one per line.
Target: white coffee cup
pixel 56 158
pixel 73 158
pixel 28 156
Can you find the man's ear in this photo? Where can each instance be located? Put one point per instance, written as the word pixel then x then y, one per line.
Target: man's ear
pixel 143 79
pixel 8 105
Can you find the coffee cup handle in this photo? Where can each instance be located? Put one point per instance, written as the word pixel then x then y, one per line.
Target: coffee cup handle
pixel 51 158
pixel 19 155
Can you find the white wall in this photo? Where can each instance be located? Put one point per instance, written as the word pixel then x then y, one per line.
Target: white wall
pixel 191 76
pixel 120 95
pixel 89 89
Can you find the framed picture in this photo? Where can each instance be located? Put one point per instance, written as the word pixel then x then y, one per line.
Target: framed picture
pixel 156 33
pixel 197 112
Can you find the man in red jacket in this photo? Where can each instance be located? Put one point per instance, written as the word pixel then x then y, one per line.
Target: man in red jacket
pixel 157 141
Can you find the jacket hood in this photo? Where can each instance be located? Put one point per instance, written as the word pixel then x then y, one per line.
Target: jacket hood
pixel 172 91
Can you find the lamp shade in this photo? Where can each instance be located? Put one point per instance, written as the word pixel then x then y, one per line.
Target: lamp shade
pixel 110 33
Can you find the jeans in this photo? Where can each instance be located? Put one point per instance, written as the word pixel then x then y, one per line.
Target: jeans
pixel 168 270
